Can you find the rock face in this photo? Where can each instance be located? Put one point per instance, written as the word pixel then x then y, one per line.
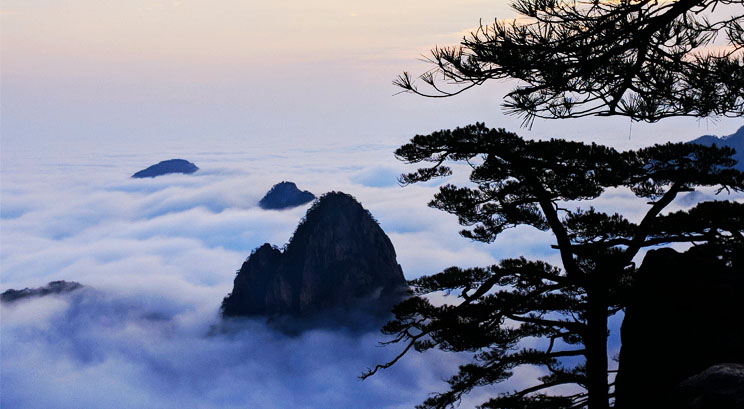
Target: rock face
pixel 684 315
pixel 718 387
pixel 284 195
pixel 338 258
pixel 54 287
pixel 167 166
pixel 735 141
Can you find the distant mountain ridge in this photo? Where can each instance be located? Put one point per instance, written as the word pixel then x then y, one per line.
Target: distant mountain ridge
pixel 338 257
pixel 735 141
pixel 54 287
pixel 166 167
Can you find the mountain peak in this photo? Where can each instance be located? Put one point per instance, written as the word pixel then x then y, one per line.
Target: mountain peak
pixel 338 257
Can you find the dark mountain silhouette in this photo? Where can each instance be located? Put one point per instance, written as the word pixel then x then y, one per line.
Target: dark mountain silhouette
pixel 167 166
pixel 284 195
pixel 683 316
pixel 338 259
pixel 735 141
pixel 719 387
pixel 54 287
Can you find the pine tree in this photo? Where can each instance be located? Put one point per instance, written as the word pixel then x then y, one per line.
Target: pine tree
pixel 644 59
pixel 533 183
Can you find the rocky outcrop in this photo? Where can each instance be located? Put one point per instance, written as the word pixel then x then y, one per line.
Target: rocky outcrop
pixel 718 387
pixel 684 315
pixel 166 167
pixel 338 258
pixel 735 141
pixel 54 287
pixel 284 195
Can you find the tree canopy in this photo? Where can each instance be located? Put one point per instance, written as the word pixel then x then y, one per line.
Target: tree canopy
pixel 644 59
pixel 523 312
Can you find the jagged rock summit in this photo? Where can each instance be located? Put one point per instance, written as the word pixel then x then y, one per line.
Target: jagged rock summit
pixel 735 140
pixel 338 258
pixel 166 167
pixel 284 195
pixel 54 287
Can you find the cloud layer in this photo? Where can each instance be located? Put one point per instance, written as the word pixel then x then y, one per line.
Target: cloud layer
pixel 157 256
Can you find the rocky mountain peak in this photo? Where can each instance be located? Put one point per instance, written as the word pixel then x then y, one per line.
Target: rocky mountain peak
pixel 339 257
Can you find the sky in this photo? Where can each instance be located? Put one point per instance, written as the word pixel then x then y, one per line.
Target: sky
pixel 105 74
pixel 253 93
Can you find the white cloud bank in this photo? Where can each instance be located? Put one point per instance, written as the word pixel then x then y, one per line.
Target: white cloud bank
pixel 157 256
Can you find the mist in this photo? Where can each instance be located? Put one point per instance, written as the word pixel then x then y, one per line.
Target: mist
pixel 157 256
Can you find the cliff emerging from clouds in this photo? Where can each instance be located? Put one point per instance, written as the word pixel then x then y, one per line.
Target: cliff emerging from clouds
pixel 338 258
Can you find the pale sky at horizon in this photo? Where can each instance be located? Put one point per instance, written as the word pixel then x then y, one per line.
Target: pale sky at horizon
pixel 100 74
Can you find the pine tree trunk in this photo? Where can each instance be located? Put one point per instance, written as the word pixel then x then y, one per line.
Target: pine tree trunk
pixel 596 344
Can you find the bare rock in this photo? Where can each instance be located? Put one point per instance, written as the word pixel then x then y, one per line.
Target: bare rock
pixel 338 258
pixel 683 316
pixel 719 387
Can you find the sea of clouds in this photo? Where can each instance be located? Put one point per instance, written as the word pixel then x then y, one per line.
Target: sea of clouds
pixel 158 255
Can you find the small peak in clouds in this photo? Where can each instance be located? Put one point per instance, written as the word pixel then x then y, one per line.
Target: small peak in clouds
pixel 54 287
pixel 285 195
pixel 166 167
